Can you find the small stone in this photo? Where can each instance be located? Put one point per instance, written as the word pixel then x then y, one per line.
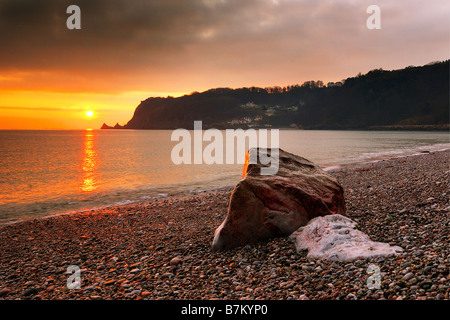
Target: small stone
pixel 5 292
pixel 110 282
pixel 90 288
pixel 426 284
pixel 167 275
pixel 134 293
pixel 290 284
pixel 408 276
pixel 175 261
pixel 320 287
pixel 145 293
pixel 351 296
pixel 50 289
pixel 29 292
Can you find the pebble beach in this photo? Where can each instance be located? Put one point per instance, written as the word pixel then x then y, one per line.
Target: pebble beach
pixel 161 249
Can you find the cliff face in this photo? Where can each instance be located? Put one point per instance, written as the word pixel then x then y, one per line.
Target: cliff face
pixel 117 126
pixel 411 97
pixel 105 126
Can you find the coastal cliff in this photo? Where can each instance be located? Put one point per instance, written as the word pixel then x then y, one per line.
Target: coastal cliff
pixel 413 98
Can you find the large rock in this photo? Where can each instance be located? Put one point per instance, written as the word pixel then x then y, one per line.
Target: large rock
pixel 267 206
pixel 336 238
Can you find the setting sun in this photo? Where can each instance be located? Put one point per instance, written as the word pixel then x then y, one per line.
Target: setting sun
pixel 89 113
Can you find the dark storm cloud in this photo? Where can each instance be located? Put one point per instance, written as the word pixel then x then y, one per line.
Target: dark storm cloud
pixel 34 33
pixel 231 39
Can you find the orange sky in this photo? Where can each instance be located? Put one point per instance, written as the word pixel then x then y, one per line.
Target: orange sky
pixel 128 51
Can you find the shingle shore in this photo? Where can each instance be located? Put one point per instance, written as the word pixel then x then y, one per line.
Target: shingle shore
pixel 161 249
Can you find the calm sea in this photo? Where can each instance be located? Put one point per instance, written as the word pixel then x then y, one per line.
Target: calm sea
pixel 49 172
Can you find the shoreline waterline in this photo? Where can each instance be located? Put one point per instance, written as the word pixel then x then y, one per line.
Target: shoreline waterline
pixel 187 192
pixel 51 172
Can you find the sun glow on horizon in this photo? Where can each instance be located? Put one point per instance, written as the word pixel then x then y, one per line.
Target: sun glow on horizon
pixel 46 110
pixel 89 113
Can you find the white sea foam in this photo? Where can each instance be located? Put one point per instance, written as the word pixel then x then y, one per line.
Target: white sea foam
pixel 331 168
pixel 402 152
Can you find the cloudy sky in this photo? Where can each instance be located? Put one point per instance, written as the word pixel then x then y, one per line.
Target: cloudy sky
pixel 128 50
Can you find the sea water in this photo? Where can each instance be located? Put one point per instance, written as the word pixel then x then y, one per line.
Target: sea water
pixel 52 172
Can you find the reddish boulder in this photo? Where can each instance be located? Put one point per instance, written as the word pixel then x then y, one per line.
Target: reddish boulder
pixel 267 206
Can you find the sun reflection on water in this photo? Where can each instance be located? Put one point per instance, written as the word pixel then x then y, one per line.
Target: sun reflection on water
pixel 90 180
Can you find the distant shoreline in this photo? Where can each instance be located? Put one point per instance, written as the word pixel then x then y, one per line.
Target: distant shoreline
pixel 418 128
pixel 444 127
